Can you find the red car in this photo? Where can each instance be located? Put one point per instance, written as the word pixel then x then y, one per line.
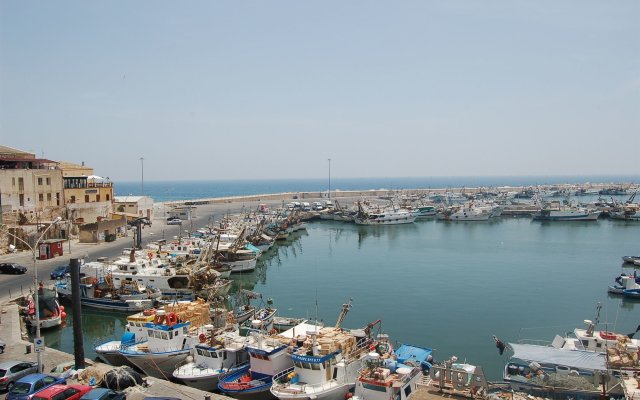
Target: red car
pixel 62 392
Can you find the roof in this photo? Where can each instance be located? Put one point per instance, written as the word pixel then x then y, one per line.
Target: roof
pixel 569 358
pixel 129 199
pixel 10 150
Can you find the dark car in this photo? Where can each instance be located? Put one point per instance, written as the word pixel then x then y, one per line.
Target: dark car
pixel 11 371
pixel 103 394
pixel 60 271
pixel 12 268
pixel 27 386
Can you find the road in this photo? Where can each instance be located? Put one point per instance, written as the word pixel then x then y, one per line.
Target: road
pixel 12 286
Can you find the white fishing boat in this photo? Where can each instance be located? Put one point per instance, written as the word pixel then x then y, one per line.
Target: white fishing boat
pixel 213 357
pixel 269 355
pixel 170 338
pixel 135 331
pixel 562 213
pixel 468 212
pixel 325 367
pixel 556 372
pixel 50 311
pixel 385 375
pixel 388 216
pixel 101 294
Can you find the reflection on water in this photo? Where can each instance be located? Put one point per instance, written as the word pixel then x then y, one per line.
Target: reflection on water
pixel 448 286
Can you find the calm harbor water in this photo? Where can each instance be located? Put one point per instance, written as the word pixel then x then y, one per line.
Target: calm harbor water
pixel 449 286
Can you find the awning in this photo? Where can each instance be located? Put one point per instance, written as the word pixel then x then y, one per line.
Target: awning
pixel 569 358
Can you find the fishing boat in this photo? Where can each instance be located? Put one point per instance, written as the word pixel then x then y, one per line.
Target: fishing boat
pixel 269 355
pixel 557 372
pixel 561 213
pixel 282 324
pixel 626 285
pixel 49 309
pixel 100 293
pixel 389 374
pixel 389 216
pixel 326 365
pixel 170 338
pixel 630 259
pixel 470 212
pixel 214 356
pixel 135 331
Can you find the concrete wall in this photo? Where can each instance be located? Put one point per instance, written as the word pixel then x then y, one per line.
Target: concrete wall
pixel 95 232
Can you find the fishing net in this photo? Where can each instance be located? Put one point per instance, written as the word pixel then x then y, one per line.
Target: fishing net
pixel 122 378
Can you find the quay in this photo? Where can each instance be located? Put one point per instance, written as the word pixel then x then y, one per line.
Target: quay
pixel 19 348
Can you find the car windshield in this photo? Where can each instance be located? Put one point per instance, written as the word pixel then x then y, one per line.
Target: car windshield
pixel 21 388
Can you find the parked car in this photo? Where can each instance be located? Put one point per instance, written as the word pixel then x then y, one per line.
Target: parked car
pixel 62 392
pixel 12 268
pixel 11 371
pixel 174 221
pixel 103 394
pixel 60 271
pixel 27 386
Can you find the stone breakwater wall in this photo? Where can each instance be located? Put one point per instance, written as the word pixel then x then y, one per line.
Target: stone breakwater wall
pixel 289 196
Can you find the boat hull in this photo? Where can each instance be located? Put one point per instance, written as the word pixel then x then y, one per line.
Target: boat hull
pixel 158 365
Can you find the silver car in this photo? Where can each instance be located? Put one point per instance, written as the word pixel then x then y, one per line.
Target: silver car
pixel 11 371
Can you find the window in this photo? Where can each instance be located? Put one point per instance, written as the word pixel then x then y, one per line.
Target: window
pixel 39 181
pixel 13 181
pixel 86 198
pixel 48 181
pixel 41 197
pixel 57 199
pixel 21 200
pixel 97 197
pixel 73 199
pixel 108 198
pixel 49 197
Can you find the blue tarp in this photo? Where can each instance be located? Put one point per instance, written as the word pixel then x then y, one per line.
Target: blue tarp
pixel 417 355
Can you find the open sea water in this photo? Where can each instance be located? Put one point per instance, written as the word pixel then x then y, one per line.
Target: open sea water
pixel 188 190
pixel 448 286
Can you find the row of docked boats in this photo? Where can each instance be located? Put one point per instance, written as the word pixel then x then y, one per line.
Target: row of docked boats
pixel 200 265
pixel 309 360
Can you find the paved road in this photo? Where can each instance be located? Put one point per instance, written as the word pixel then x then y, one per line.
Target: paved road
pixel 12 286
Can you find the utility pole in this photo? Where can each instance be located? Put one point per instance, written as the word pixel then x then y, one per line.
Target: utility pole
pixel 78 345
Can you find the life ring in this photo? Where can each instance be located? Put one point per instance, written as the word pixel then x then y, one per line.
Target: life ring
pixel 172 319
pixel 202 337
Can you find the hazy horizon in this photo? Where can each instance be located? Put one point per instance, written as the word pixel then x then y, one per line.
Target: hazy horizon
pixel 272 90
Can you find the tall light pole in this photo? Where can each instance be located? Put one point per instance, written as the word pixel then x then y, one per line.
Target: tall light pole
pixel 35 277
pixel 329 193
pixel 142 182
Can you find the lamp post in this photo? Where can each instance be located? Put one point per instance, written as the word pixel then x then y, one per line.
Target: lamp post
pixel 329 193
pixel 142 182
pixel 35 274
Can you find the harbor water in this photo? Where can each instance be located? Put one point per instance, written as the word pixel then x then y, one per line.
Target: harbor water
pixel 449 286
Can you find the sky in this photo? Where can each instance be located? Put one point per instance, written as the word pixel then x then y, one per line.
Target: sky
pixel 273 89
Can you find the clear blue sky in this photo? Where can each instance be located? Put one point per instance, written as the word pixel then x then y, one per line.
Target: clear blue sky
pixel 271 89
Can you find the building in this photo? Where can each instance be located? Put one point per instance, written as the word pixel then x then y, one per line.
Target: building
pixel 28 184
pixel 140 206
pixel 87 197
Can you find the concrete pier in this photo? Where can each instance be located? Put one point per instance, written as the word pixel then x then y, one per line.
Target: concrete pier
pixel 19 348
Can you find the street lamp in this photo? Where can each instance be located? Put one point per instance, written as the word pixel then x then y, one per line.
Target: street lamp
pixel 35 274
pixel 329 192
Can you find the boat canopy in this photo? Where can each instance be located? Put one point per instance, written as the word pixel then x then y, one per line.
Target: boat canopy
pixel 570 358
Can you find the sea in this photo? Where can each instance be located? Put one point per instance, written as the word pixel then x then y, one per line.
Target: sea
pixel 442 285
pixel 162 191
